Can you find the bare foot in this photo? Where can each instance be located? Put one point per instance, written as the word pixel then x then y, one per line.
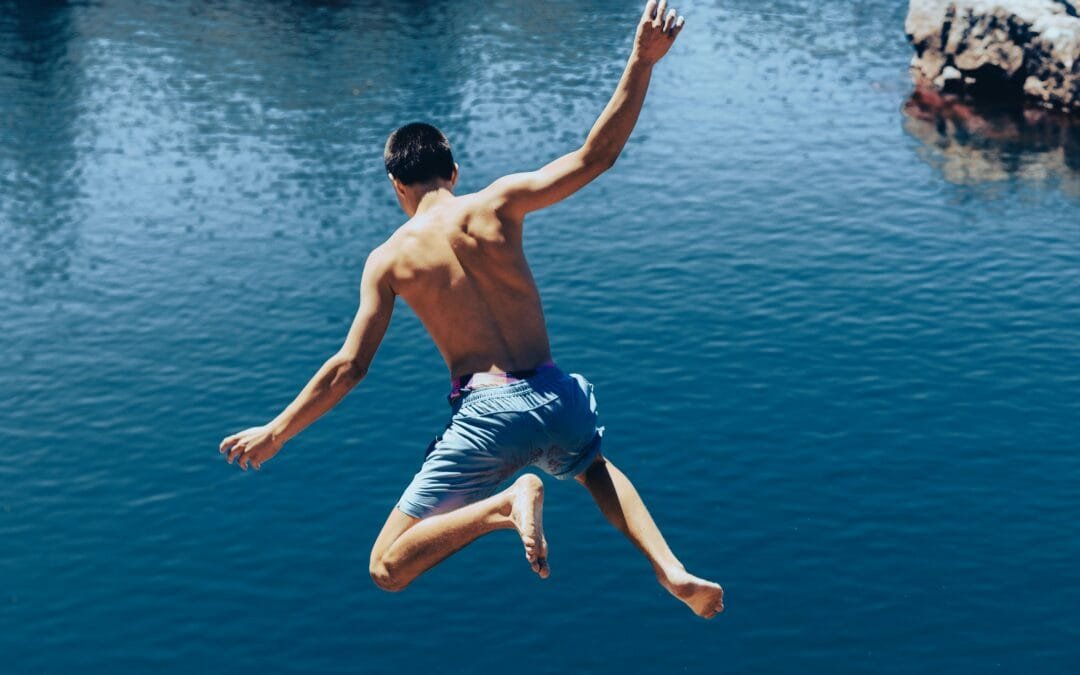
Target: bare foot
pixel 527 511
pixel 704 597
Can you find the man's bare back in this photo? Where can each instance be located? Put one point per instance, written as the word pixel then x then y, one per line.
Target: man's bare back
pixel 458 262
pixel 462 269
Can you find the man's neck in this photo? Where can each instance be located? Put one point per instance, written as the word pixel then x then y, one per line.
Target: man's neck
pixel 432 198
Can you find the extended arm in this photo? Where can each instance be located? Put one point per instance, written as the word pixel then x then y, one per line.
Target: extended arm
pixel 518 194
pixel 334 379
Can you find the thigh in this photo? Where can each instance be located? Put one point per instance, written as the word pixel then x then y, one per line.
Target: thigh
pixel 397 523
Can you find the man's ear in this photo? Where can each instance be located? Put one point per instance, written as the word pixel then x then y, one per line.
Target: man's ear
pixel 454 176
pixel 395 183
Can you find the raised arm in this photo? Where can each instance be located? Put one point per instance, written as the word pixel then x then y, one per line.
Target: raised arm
pixel 334 379
pixel 518 194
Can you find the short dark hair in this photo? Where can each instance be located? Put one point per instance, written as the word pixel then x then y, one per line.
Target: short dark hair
pixel 418 153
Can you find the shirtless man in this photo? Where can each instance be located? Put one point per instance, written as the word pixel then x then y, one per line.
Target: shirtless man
pixel 458 262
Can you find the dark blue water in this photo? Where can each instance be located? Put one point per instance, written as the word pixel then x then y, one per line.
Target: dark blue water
pixel 836 347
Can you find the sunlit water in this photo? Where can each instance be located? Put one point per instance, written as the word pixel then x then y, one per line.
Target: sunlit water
pixel 838 349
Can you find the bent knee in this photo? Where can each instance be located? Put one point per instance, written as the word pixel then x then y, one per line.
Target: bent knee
pixel 385 578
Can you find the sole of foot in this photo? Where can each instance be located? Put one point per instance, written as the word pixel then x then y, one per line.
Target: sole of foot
pixel 527 513
pixel 704 597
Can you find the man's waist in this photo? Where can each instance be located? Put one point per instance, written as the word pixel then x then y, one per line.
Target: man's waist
pixel 464 383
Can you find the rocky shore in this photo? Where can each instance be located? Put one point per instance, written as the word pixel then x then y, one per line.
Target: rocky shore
pixel 1000 50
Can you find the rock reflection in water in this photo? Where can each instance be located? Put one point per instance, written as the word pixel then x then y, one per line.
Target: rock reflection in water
pixel 973 145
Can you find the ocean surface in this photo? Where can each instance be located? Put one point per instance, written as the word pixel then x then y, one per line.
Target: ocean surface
pixel 835 343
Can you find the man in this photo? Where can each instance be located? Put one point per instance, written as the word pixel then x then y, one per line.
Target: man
pixel 458 262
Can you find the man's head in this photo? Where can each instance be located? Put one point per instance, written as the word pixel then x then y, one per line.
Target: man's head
pixel 418 160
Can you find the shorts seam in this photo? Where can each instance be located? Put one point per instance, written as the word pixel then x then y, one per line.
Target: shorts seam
pixel 484 413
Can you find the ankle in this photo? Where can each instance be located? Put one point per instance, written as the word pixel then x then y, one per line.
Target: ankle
pixel 500 515
pixel 670 571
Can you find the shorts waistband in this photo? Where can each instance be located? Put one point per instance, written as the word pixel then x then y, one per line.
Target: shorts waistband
pixel 477 383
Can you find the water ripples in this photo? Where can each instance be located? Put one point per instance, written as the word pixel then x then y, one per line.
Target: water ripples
pixel 834 338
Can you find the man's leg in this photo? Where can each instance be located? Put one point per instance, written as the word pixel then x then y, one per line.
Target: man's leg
pixel 408 546
pixel 622 506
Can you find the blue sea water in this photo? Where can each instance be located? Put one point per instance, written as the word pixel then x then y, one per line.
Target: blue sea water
pixel 836 346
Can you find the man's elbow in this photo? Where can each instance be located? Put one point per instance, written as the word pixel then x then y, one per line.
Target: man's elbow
pixel 600 157
pixel 349 370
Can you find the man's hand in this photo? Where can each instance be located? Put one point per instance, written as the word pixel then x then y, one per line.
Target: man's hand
pixel 656 31
pixel 254 446
pixel 515 195
pixel 335 378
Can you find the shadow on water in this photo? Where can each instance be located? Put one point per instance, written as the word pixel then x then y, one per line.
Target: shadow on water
pixel 975 145
pixel 39 178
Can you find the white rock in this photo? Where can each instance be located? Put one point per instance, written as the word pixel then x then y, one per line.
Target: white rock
pixel 948 73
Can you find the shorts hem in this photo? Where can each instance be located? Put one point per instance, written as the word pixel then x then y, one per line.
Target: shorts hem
pixel 412 510
pixel 582 463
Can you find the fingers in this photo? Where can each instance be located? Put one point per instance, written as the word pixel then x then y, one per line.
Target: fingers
pixel 669 21
pixel 679 23
pixel 247 456
pixel 227 441
pixel 244 453
pixel 244 457
pixel 236 451
pixel 253 457
pixel 658 18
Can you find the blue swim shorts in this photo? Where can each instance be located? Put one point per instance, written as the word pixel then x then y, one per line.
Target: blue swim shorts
pixel 547 420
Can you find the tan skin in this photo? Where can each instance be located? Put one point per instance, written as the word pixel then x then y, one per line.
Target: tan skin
pixel 458 262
